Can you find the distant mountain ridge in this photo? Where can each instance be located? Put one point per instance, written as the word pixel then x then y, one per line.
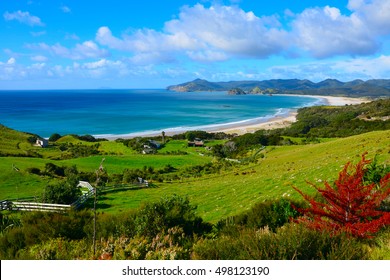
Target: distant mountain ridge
pixel 357 88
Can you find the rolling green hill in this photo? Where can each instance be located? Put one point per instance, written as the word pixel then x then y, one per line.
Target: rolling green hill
pixel 222 196
pixel 14 142
pixel 230 193
pixel 355 88
pixel 217 195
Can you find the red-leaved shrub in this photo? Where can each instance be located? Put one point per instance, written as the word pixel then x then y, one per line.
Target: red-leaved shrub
pixel 350 205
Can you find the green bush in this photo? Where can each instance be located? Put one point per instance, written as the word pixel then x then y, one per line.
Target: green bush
pixel 169 212
pixel 271 214
pixel 170 245
pixel 54 137
pixel 290 242
pixel 39 227
pixel 58 249
pixel 11 243
pixel 113 226
pixel 64 192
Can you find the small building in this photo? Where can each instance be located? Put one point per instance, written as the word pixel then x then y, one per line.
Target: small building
pixel 196 143
pixel 41 142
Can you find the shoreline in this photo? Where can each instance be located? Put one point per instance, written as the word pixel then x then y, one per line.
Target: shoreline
pixel 285 121
pixel 248 126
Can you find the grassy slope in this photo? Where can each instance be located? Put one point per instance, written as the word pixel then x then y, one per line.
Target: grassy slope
pixel 13 142
pixel 15 185
pixel 216 196
pixel 229 194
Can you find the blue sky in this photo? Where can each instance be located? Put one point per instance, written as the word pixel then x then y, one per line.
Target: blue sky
pixel 48 44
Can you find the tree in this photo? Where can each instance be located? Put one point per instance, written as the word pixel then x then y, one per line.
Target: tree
pixel 54 137
pixel 64 192
pixel 163 137
pixel 351 205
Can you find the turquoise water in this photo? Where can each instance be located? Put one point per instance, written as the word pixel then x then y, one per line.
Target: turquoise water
pixel 130 112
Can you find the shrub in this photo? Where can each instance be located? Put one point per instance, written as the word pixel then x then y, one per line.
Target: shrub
pixel 271 214
pixel 58 249
pixel 290 242
pixel 64 192
pixel 54 137
pixel 33 170
pixel 53 170
pixel 169 212
pixel 41 226
pixel 350 205
pixel 11 243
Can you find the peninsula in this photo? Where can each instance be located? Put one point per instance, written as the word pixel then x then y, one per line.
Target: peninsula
pixel 331 87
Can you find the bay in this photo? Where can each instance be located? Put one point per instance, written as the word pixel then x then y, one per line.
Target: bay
pixel 137 111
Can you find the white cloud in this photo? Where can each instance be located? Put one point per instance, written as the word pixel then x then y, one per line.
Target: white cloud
pixel 65 9
pixel 230 30
pixel 207 56
pixel 366 68
pixel 103 69
pixel 326 32
pixel 205 34
pixel 11 61
pixel 345 70
pixel 155 57
pixel 39 58
pixel 87 49
pixel 220 33
pixel 375 13
pixel 23 17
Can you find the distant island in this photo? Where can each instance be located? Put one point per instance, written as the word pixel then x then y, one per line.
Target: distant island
pixel 356 88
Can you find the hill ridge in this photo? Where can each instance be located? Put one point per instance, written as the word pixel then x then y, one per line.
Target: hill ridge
pixel 357 88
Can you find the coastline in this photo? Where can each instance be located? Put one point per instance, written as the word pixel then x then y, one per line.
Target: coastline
pixel 285 121
pixel 240 128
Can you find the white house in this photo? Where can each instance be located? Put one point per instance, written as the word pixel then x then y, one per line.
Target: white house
pixel 41 142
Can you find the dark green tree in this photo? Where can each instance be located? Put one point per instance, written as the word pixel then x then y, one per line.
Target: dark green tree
pixel 64 192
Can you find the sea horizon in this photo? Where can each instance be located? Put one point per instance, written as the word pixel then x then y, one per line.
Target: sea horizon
pixel 118 113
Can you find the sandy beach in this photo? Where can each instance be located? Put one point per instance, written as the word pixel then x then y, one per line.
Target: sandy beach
pixel 284 121
pixel 246 127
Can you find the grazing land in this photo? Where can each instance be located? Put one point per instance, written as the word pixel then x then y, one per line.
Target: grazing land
pixel 228 191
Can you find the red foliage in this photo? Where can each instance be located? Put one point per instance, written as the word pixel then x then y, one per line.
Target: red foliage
pixel 349 206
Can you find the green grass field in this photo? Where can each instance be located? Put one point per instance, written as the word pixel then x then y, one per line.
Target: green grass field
pixel 230 193
pixel 218 195
pixel 20 184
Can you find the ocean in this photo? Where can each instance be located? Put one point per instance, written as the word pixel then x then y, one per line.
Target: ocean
pixel 109 113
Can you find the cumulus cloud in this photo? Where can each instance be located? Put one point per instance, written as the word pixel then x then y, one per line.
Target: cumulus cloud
pixel 375 13
pixel 87 49
pixel 206 34
pixel 220 33
pixel 23 17
pixel 326 32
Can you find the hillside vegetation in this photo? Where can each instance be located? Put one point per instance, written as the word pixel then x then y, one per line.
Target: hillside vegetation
pixel 231 199
pixel 355 88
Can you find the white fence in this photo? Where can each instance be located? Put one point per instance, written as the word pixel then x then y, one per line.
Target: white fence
pixel 87 192
pixel 33 206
